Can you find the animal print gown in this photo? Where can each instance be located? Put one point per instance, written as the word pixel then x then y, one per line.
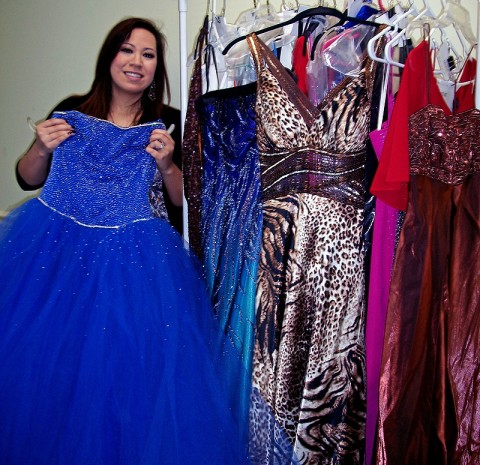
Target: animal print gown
pixel 309 356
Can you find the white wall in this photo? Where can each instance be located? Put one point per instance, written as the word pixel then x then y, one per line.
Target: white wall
pixel 48 50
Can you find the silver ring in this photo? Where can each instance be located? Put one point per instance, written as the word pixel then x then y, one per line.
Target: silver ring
pixel 162 145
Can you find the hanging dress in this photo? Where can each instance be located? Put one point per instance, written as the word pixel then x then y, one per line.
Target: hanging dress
pixel 231 216
pixel 108 346
pixel 384 239
pixel 429 410
pixel 309 359
pixel 192 149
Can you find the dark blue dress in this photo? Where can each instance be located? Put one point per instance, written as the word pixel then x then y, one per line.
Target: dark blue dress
pixel 108 345
pixel 231 218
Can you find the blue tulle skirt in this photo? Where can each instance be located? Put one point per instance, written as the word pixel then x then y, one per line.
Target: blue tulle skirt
pixel 109 350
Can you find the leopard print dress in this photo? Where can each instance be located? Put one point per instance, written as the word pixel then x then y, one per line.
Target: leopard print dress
pixel 309 355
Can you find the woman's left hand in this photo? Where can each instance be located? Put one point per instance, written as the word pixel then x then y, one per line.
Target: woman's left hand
pixel 160 147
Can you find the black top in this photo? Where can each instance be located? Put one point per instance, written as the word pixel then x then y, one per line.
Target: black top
pixel 169 116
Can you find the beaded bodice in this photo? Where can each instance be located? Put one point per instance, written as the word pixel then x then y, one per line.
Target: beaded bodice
pixel 444 147
pixel 100 176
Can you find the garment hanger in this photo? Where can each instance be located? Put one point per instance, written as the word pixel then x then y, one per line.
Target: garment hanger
pixel 386 83
pixel 290 32
pixel 257 17
pixel 321 10
pixel 314 29
pixel 288 11
pixel 250 13
pixel 202 37
pixel 453 70
pixel 221 31
pixel 366 11
pixel 449 61
pixel 424 16
pixel 445 48
pixel 453 13
pixel 457 18
pixel 285 7
pixel 236 69
pixel 215 66
pixel 393 27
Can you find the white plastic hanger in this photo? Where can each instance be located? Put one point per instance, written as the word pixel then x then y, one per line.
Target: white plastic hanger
pixel 394 25
pixel 455 14
pixel 383 96
pixel 258 17
pixel 425 15
pixel 457 18
pixel 448 60
pixel 289 33
pixel 295 6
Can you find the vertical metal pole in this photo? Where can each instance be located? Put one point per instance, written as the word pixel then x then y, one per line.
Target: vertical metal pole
pixel 182 10
pixel 477 83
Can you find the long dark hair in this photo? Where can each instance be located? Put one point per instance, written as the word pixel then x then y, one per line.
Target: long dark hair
pixel 100 94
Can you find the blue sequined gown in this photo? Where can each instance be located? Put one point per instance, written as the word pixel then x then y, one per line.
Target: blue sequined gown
pixel 231 216
pixel 106 329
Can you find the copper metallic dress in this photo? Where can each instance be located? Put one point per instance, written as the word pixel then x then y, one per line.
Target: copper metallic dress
pixel 430 382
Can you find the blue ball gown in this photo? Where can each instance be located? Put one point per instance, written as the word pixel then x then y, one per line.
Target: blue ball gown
pixel 109 348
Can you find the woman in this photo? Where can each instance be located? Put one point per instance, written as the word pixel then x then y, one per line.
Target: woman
pixel 33 167
pixel 110 351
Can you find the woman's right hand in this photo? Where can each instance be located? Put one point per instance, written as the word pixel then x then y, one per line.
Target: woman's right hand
pixel 33 166
pixel 50 134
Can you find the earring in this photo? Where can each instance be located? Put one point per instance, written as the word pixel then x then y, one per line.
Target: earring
pixel 152 91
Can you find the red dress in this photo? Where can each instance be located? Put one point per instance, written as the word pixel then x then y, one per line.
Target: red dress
pixel 418 88
pixel 429 399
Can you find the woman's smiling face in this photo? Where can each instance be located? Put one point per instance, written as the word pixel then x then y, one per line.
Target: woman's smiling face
pixel 133 68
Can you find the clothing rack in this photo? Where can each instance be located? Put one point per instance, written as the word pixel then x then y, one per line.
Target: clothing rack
pixel 182 18
pixel 182 8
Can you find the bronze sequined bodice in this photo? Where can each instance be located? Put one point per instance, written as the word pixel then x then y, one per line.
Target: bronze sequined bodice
pixel 444 147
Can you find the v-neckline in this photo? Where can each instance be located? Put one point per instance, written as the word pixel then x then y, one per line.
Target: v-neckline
pixel 302 103
pixel 438 99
